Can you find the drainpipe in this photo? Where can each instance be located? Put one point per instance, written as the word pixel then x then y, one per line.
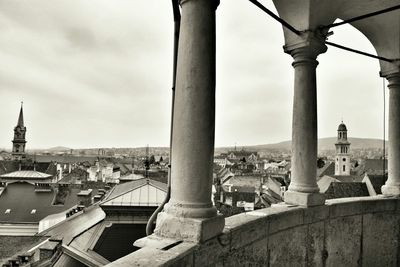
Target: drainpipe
pixel 177 23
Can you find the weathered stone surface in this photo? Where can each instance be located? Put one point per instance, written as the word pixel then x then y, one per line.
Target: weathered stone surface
pixel 287 248
pixel 255 254
pixel 298 237
pixel 284 220
pixel 315 244
pixel 188 229
pixel 304 199
pixel 379 204
pixel 210 253
pixel 316 214
pixel 343 241
pixel 154 257
pixel 380 239
pixel 255 229
pixel 345 209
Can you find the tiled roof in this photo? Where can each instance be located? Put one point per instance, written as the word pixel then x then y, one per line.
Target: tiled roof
pixel 328 169
pixel 341 190
pixel 325 182
pixel 348 178
pixel 26 175
pixel 64 158
pixel 374 164
pixel 377 182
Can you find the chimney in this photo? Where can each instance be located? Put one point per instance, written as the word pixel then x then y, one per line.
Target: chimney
pixel 48 249
pixel 85 197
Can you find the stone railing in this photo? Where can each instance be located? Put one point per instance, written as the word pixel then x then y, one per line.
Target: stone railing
pixel 343 232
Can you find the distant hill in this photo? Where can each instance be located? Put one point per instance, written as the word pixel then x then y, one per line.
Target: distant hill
pixel 327 143
pixel 58 148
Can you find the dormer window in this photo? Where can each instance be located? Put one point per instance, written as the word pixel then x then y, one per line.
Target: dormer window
pixel 33 211
pixel 7 211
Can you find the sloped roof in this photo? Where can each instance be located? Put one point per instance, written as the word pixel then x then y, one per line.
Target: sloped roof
pixel 22 199
pixel 76 225
pixel 328 169
pixel 142 192
pixel 325 182
pixel 341 190
pixel 348 178
pixel 10 166
pixel 377 182
pixel 26 175
pixel 131 176
pixel 374 164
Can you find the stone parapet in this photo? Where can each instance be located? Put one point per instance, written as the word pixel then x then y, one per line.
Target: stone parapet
pixel 343 232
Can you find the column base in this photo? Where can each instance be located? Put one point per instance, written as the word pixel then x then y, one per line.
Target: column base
pixel 391 190
pixel 304 199
pixel 188 229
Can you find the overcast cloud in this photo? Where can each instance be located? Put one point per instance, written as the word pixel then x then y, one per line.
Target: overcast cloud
pixel 98 74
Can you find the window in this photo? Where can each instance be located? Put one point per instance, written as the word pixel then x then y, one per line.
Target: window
pixel 344 168
pixel 7 211
pixel 344 159
pixel 33 211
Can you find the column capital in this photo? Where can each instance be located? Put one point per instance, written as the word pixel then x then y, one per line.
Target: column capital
pixel 307 50
pixel 216 2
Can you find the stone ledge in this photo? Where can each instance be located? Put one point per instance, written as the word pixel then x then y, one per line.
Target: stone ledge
pixel 154 257
pixel 252 232
pixel 254 228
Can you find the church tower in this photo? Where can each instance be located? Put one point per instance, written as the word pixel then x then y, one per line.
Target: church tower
pixel 19 141
pixel 342 160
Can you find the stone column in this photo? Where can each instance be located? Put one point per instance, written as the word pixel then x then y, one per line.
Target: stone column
pixel 190 213
pixel 303 189
pixel 392 185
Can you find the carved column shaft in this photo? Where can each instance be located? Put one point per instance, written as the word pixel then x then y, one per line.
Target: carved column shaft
pixel 303 189
pixel 392 186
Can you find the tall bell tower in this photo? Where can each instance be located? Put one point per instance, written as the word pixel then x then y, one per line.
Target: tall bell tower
pixel 342 159
pixel 18 150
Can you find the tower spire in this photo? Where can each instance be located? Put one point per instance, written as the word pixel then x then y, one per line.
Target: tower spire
pixel 21 116
pixel 19 141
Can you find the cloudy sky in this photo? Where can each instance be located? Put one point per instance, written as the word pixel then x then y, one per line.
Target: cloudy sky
pixel 97 73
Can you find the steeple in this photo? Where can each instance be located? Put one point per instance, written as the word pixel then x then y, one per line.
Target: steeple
pixel 19 141
pixel 21 116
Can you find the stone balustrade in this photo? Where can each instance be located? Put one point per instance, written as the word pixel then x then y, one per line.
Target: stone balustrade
pixel 344 232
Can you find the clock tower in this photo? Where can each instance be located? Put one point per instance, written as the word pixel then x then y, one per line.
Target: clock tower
pixel 342 159
pixel 19 141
